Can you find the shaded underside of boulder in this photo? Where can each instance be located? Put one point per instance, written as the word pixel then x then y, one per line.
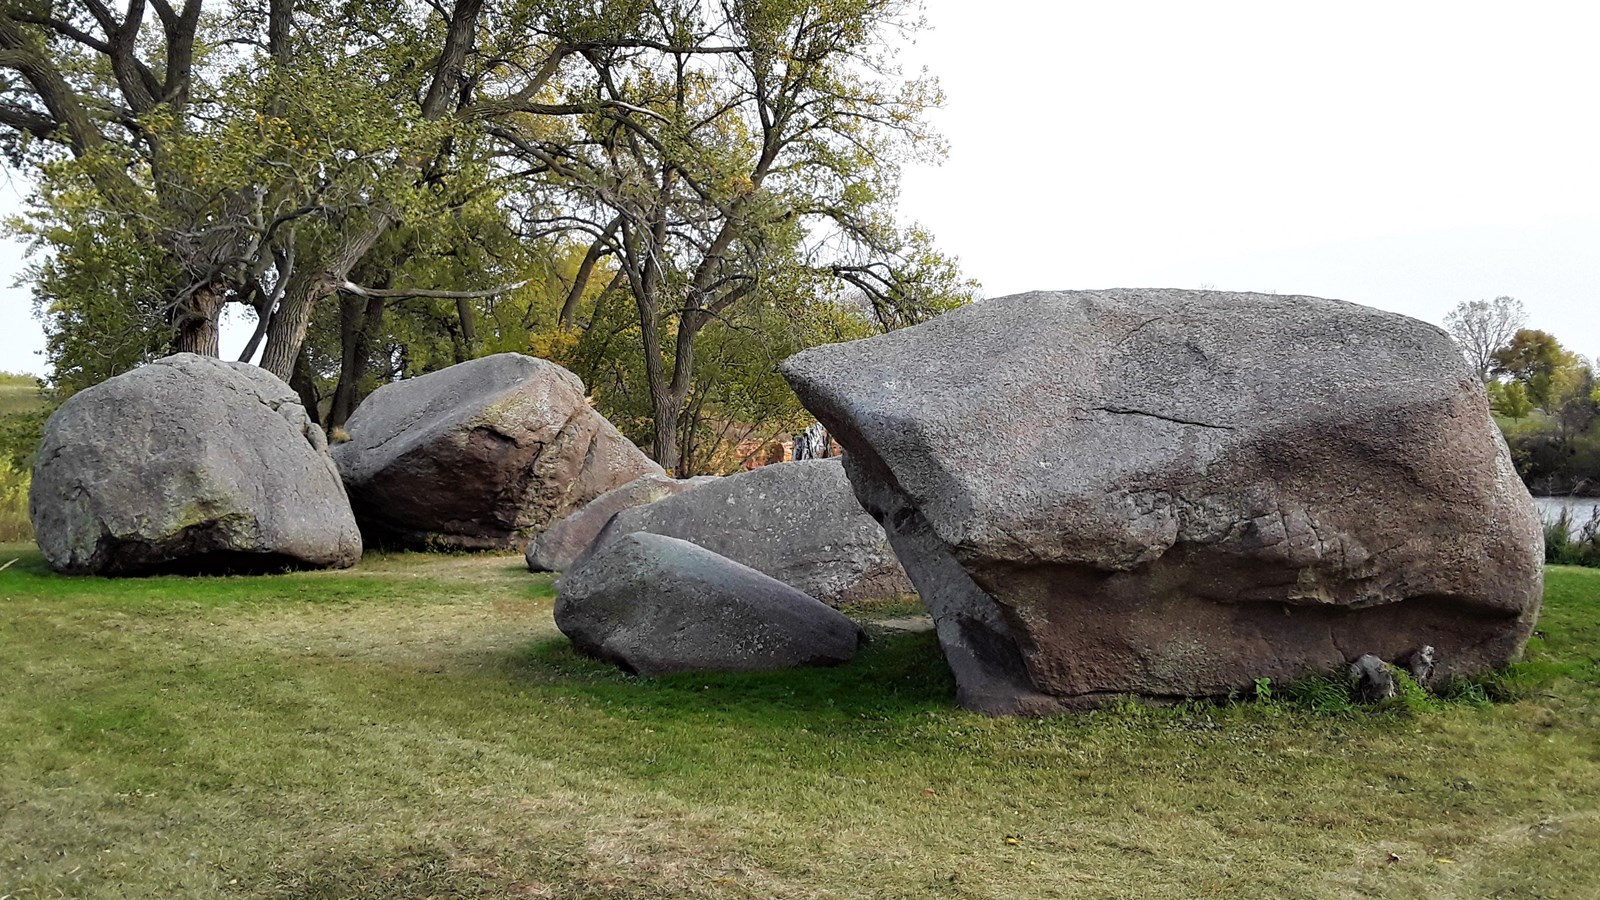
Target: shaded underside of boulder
pixel 188 464
pixel 798 522
pixel 480 455
pixel 1174 493
pixel 559 546
pixel 654 605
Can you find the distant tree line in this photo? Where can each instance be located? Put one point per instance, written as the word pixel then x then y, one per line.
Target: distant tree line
pixel 1545 397
pixel 666 196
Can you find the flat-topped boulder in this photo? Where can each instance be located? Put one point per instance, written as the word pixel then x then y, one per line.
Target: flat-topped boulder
pixel 1174 493
pixel 480 455
pixel 559 546
pixel 188 464
pixel 798 522
pixel 655 605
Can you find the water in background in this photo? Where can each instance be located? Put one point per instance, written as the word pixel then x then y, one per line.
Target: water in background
pixel 1579 509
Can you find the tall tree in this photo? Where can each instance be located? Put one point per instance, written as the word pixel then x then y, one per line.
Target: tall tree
pixel 261 174
pixel 1537 361
pixel 1480 327
pixel 746 155
pixel 114 88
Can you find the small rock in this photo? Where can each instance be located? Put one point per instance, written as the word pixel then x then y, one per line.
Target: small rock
pixel 1420 665
pixel 1371 679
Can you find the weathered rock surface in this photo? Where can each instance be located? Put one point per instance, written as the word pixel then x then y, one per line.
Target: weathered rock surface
pixel 480 455
pixel 798 522
pixel 188 464
pixel 1371 679
pixel 654 605
pixel 560 545
pixel 1173 493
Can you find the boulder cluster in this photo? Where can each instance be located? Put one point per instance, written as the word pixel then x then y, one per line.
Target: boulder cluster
pixel 1167 494
pixel 196 464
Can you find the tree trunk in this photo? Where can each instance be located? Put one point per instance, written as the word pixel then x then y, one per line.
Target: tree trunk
pixel 195 322
pixel 664 411
pixel 263 319
pixel 305 386
pixel 352 310
pixel 353 364
pixel 360 317
pixel 286 333
pixel 469 329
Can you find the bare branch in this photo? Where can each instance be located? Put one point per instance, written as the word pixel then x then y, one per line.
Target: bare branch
pixel 351 287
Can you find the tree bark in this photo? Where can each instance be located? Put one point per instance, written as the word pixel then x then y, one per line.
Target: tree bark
pixel 598 249
pixel 195 321
pixel 286 334
pixel 469 329
pixel 305 386
pixel 359 322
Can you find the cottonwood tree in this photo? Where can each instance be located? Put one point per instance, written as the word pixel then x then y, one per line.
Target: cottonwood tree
pixel 260 156
pixel 114 90
pixel 1480 327
pixel 262 153
pixel 733 156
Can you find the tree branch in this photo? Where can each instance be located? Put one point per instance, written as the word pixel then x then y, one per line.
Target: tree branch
pixel 351 287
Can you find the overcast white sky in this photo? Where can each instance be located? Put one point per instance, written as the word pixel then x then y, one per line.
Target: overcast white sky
pixel 1407 156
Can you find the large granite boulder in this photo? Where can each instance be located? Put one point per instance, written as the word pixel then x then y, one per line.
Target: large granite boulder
pixel 1173 493
pixel 559 546
pixel 798 522
pixel 480 455
pixel 188 464
pixel 655 605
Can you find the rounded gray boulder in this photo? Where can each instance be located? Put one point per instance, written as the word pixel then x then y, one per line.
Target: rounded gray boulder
pixel 480 455
pixel 1174 493
pixel 654 605
pixel 559 546
pixel 798 522
pixel 188 464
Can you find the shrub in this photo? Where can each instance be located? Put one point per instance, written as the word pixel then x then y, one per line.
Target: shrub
pixel 1567 546
pixel 14 524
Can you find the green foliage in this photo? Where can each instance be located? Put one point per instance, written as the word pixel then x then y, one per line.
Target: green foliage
pixel 24 406
pixel 1565 544
pixel 1263 690
pixel 1510 400
pixel 1537 361
pixel 100 287
pixel 1546 402
pixel 14 482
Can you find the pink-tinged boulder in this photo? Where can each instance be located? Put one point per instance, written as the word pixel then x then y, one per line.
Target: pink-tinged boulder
pixel 1174 493
pixel 480 455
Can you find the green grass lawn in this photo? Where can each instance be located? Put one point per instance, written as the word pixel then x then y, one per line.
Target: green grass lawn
pixel 418 728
